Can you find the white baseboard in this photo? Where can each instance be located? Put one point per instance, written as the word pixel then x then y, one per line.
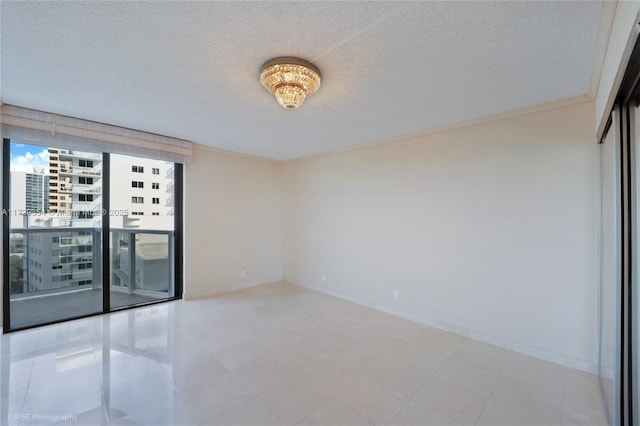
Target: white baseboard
pixel 500 342
pixel 229 288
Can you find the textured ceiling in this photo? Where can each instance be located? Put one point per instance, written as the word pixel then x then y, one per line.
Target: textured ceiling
pixel 189 69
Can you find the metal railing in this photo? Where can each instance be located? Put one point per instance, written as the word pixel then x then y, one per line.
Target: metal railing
pixel 37 255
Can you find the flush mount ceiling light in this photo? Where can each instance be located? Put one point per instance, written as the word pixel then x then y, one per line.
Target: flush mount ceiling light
pixel 291 80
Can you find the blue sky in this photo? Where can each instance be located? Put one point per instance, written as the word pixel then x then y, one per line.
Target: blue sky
pixel 24 157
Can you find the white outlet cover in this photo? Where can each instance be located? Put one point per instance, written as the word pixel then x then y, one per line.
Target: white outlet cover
pixel 396 295
pixel 323 278
pixel 243 274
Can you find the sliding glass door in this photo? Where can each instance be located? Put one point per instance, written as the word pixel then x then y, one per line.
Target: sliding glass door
pixel 610 272
pixel 619 247
pixel 55 234
pixel 142 230
pixel 86 232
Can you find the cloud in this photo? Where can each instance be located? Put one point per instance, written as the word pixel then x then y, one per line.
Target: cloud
pixel 27 161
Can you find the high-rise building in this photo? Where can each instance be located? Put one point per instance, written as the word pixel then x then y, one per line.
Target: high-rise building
pixel 71 197
pixel 75 185
pixel 144 188
pixel 30 191
pixel 37 191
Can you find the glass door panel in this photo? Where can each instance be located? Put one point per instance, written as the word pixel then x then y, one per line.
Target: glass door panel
pixel 55 234
pixel 610 272
pixel 142 231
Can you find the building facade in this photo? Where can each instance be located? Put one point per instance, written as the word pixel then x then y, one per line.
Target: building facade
pixel 66 206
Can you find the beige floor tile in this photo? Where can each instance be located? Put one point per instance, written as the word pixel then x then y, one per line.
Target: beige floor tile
pixel 482 355
pixel 294 400
pixel 540 393
pixel 188 369
pixel 518 414
pixel 208 399
pixel 252 412
pixel 584 416
pixel 542 375
pixel 373 400
pixel 451 400
pixel 525 403
pixel 236 356
pixel 335 414
pixel 281 354
pixel 469 376
pixel 419 414
pixel 585 394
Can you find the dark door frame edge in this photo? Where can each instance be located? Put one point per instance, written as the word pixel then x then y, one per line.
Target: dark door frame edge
pixel 6 285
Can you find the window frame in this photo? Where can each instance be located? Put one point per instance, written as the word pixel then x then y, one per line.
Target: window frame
pixel 105 230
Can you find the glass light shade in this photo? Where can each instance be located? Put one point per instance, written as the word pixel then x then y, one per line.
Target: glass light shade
pixel 291 80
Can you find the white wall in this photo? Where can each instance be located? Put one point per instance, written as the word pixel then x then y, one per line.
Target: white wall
pixel 486 230
pixel 233 222
pixel 621 40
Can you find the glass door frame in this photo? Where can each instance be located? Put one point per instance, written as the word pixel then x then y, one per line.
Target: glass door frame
pixel 177 246
pixel 624 125
pixel 610 176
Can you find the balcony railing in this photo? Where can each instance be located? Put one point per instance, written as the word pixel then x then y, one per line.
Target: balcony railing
pixel 75 241
pixel 82 155
pixel 80 188
pixel 141 261
pixel 81 171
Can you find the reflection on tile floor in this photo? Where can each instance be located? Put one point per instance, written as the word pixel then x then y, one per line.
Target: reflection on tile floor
pixel 277 354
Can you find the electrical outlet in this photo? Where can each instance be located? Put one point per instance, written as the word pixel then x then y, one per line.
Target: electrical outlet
pixel 323 278
pixel 396 294
pixel 243 274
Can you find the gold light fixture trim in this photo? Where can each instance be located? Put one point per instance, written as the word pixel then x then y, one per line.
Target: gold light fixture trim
pixel 290 80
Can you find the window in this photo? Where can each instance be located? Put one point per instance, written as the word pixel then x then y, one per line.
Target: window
pixel 58 253
pixel 155 200
pixel 155 171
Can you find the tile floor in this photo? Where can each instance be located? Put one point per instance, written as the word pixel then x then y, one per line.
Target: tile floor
pixel 277 354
